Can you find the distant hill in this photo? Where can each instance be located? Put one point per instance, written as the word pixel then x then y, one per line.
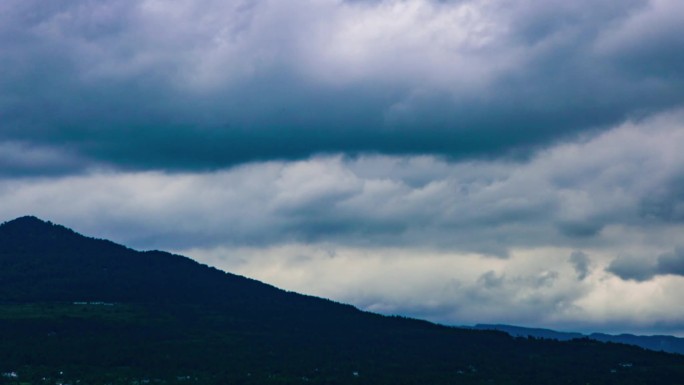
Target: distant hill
pixel 80 310
pixel 658 342
pixel 519 331
pixel 669 344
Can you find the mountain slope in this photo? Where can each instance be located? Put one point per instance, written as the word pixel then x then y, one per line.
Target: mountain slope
pixel 101 313
pixel 520 331
pixel 41 261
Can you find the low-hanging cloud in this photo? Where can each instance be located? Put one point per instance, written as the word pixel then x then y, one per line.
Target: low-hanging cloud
pixel 208 84
pixel 456 242
pixel 643 269
pixel 22 159
pixel 672 262
pixel 582 264
pixel 473 206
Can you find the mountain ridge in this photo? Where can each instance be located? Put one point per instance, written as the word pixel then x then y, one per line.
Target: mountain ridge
pixel 100 261
pixel 665 343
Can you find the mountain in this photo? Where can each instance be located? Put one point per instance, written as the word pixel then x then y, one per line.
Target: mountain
pixel 41 261
pixel 519 331
pixel 80 310
pixel 663 343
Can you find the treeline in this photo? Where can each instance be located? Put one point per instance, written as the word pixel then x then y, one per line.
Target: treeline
pixel 184 343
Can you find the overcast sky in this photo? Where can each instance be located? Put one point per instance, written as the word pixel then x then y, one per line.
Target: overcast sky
pixel 463 161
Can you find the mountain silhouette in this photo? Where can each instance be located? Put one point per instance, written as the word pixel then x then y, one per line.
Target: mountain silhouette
pixel 46 262
pixel 664 343
pixel 74 309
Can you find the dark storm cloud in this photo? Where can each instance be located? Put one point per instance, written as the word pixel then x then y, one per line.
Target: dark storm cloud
pixel 666 201
pixel 641 269
pixel 23 160
pixel 672 262
pixel 580 229
pixel 632 268
pixel 211 84
pixel 579 196
pixel 582 264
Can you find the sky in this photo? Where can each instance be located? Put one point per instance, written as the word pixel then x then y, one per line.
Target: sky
pixel 461 161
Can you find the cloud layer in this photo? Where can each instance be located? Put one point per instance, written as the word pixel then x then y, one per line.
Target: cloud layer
pixel 559 239
pixel 581 193
pixel 208 84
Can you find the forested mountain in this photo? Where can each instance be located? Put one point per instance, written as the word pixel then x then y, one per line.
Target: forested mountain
pixel 80 310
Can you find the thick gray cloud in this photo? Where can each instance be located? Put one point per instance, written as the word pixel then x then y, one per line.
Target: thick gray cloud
pixel 21 159
pixel 582 264
pixel 633 268
pixel 455 242
pixel 207 84
pixel 487 207
pixel 642 269
pixel 666 202
pixel 672 262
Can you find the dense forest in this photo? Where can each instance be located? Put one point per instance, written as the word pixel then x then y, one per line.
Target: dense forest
pixel 77 310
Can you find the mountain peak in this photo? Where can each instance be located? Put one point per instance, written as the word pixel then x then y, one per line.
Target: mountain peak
pixel 31 226
pixel 27 220
pixel 50 262
pixel 29 233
